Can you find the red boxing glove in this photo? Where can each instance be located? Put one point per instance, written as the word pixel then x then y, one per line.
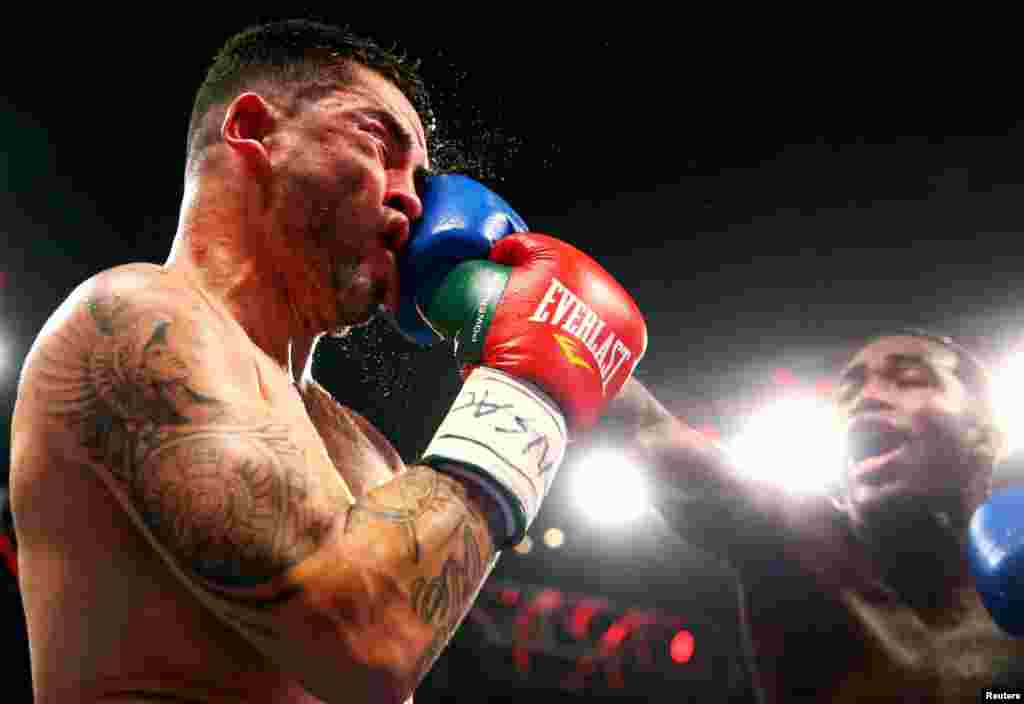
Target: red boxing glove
pixel 548 337
pixel 565 324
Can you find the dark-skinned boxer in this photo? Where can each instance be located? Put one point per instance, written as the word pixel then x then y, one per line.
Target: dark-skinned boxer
pixel 865 595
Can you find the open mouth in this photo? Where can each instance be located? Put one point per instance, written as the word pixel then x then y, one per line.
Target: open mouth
pixel 874 439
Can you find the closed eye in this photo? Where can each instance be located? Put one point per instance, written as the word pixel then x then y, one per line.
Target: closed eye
pixel 396 142
pixel 387 128
pixel 376 129
pixel 378 132
pixel 914 377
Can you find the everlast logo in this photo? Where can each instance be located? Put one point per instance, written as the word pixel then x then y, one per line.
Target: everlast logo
pixel 562 306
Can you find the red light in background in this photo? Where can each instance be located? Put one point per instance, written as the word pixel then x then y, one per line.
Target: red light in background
pixel 3 280
pixel 681 648
pixel 710 431
pixel 614 636
pixel 9 555
pixel 582 615
pixel 784 377
pixel 529 621
pixel 521 656
pixel 508 597
pixel 547 600
pixel 824 387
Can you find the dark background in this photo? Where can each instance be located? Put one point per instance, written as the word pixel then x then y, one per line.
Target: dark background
pixel 768 193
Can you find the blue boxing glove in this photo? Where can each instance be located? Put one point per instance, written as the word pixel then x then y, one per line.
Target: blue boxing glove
pixel 995 552
pixel 462 219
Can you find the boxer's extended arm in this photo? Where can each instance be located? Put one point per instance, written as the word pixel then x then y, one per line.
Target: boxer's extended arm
pixel 353 598
pixel 703 495
pixel 676 454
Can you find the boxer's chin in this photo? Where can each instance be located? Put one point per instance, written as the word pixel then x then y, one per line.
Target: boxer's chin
pixel 887 502
pixel 338 333
pixel 347 319
pixel 381 312
pixel 357 303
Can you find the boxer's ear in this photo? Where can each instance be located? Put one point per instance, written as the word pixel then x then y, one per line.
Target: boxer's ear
pixel 247 122
pixel 837 495
pixel 994 443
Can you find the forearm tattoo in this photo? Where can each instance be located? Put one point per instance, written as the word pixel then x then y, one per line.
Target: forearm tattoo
pixel 229 499
pixel 440 600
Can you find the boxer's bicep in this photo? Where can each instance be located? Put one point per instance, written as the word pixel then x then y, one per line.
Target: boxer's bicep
pixel 143 392
pixel 236 504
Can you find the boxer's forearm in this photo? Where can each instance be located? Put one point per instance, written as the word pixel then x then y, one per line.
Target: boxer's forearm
pixel 440 549
pixel 695 485
pixel 337 425
pixel 635 409
pixel 674 453
pixel 365 616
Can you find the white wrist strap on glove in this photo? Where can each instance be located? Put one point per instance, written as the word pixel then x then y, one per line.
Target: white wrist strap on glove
pixel 509 438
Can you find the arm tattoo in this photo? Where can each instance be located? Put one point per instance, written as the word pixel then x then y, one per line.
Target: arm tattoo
pixel 422 491
pixel 437 598
pixel 239 516
pixel 441 600
pixel 230 499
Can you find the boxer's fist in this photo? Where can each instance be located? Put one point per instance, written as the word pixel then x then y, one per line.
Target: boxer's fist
pixel 995 552
pixel 462 220
pixel 544 312
pixel 547 337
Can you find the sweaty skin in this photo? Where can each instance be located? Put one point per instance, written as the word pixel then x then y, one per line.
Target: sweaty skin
pixel 193 524
pixel 834 616
pixel 125 397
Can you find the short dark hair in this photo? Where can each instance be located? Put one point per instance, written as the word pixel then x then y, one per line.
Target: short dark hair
pixel 307 55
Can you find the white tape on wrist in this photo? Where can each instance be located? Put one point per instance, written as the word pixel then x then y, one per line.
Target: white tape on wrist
pixel 502 432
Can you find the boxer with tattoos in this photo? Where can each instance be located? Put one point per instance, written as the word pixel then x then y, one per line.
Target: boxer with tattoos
pixel 198 520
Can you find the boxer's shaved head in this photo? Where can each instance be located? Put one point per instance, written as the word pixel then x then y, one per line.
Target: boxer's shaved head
pixel 295 60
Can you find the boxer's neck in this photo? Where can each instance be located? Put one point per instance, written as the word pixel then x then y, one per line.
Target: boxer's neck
pixel 919 555
pixel 220 248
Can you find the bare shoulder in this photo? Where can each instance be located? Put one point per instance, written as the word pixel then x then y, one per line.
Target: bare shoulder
pixel 137 377
pixel 134 344
pixel 126 322
pixel 130 283
pixel 100 305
